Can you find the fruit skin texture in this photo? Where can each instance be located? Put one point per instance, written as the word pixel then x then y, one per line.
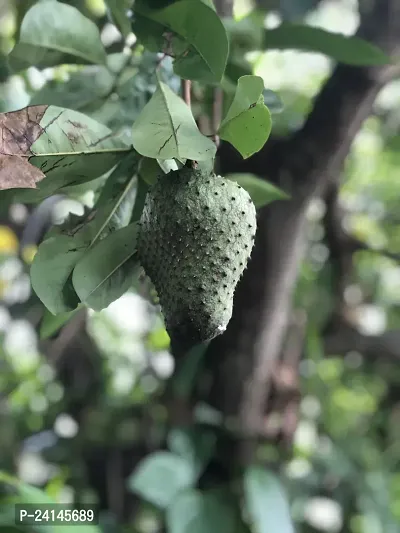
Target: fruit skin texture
pixel 196 234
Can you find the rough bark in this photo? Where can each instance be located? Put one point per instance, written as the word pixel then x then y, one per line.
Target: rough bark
pixel 243 359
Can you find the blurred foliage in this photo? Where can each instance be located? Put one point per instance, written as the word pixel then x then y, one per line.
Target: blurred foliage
pixel 76 418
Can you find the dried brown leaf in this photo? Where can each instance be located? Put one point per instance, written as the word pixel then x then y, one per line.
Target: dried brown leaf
pixel 18 131
pixel 18 173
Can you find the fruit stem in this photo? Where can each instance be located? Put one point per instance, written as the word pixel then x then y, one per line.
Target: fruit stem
pixel 217 113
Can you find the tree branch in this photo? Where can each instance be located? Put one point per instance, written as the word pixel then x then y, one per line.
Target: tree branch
pixel 355 245
pixel 342 338
pixel 224 8
pixel 243 359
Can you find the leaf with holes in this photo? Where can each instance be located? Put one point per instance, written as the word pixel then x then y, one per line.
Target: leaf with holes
pixel 247 124
pixel 166 129
pixel 54 146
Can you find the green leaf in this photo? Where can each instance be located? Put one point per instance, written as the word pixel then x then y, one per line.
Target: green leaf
pixel 247 124
pixel 107 270
pixel 59 254
pixel 183 381
pixel 58 27
pixel 160 477
pixel 166 129
pixel 247 33
pixel 67 138
pixel 23 56
pixel 52 323
pixel 113 209
pixel 140 200
pixel 51 269
pixel 197 512
pixel 149 170
pixel 80 90
pixel 261 191
pixel 183 511
pixel 13 491
pixel 118 10
pixel 118 196
pixel 266 501
pixel 189 30
pixel 236 68
pixel 196 444
pixel 71 149
pixel 349 50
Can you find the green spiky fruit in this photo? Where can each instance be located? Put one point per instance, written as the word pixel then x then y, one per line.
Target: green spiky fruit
pixel 195 238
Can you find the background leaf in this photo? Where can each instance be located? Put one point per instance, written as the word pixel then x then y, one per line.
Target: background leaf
pixel 349 50
pixel 160 477
pixel 272 101
pixel 166 129
pixel 183 381
pixel 118 10
pixel 196 512
pixel 261 191
pixel 184 28
pixel 247 124
pixel 52 323
pixel 82 87
pixel 23 56
pixel 196 444
pixel 266 501
pixel 18 492
pixel 58 26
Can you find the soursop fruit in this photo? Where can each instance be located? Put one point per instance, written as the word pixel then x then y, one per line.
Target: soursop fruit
pixel 195 237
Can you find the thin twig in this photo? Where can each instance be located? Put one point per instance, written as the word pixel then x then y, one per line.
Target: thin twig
pixel 160 60
pixel 186 91
pixel 356 245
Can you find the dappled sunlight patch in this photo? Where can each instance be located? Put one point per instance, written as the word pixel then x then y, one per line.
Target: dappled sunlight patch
pixel 324 514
